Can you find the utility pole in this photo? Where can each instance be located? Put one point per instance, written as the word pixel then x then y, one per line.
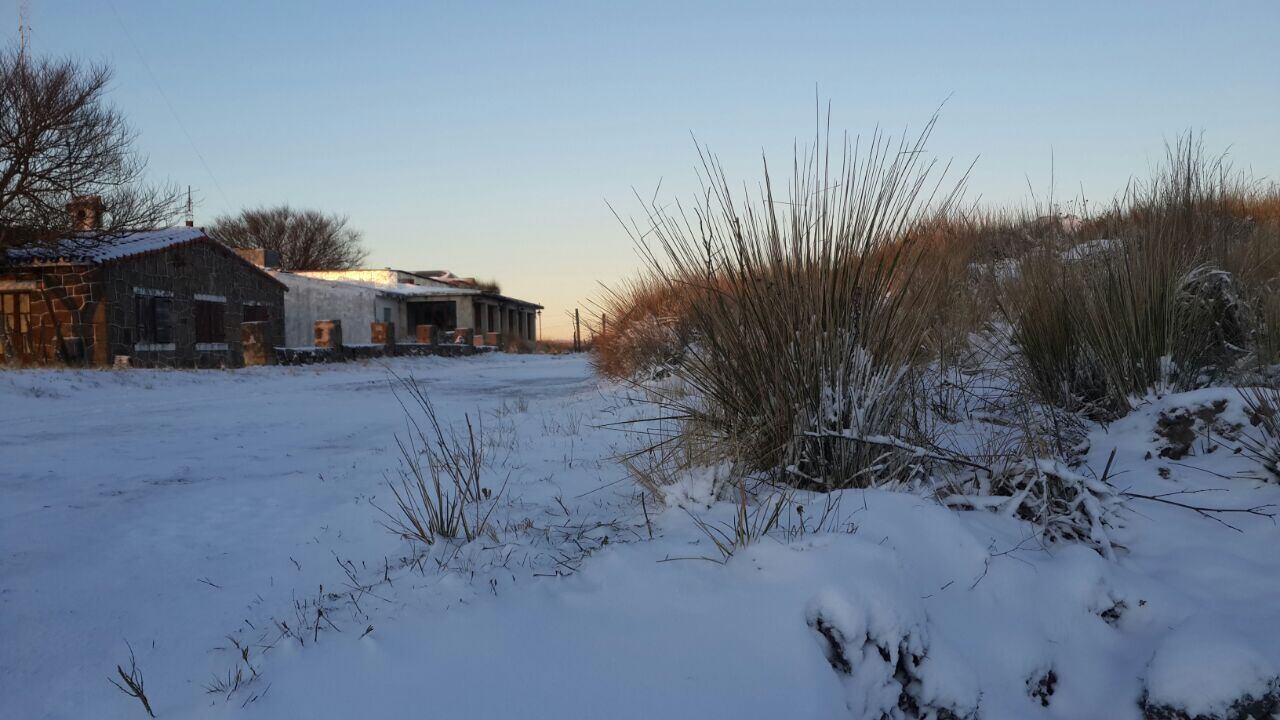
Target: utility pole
pixel 577 332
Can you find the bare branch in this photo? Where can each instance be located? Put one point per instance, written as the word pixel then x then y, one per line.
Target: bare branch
pixel 304 239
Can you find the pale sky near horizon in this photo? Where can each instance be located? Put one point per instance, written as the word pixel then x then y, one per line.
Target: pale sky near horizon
pixel 486 138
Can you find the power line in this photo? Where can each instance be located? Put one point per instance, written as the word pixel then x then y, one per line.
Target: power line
pixel 129 37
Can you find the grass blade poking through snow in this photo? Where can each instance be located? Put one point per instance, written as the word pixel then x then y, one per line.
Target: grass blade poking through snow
pixel 441 493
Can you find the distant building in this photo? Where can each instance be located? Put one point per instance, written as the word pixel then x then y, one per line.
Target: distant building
pixel 407 299
pixel 171 297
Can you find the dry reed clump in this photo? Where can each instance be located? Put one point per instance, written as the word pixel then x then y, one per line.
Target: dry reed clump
pixel 1171 296
pixel 644 328
pixel 1262 442
pixel 802 312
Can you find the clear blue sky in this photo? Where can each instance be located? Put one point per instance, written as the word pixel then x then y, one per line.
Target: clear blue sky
pixel 485 138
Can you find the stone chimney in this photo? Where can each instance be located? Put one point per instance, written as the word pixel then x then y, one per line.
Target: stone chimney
pixel 261 258
pixel 86 212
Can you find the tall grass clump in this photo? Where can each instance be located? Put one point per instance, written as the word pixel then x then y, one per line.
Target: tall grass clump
pixel 805 312
pixel 1162 300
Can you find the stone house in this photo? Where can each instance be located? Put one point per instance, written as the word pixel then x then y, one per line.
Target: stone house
pixel 404 298
pixel 170 298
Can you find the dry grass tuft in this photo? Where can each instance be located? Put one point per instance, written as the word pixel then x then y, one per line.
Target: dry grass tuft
pixel 441 493
pixel 131 683
pixel 801 323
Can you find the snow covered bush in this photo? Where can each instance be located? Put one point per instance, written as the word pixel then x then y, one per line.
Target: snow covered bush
pixel 1202 671
pixel 1063 504
pixel 879 646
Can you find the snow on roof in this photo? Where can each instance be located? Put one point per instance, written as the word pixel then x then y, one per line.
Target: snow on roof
pixel 396 289
pixel 409 289
pixel 434 286
pixel 98 250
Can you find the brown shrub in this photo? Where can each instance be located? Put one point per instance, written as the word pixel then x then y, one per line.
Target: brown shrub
pixel 644 326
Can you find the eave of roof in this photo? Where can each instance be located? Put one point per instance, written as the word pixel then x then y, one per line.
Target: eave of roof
pixel 107 251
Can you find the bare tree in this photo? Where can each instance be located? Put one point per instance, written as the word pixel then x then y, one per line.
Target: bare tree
pixel 304 239
pixel 59 139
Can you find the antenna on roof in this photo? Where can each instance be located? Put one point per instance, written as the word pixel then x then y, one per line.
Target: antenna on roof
pixel 24 29
pixel 191 216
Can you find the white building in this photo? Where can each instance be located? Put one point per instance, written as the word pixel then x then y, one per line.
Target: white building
pixel 360 297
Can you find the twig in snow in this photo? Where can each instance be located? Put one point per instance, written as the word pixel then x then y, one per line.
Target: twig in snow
pixel 132 681
pixel 885 441
pixel 1210 472
pixel 645 507
pixel 1209 512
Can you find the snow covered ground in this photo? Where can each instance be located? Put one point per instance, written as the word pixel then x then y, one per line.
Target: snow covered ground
pixel 188 513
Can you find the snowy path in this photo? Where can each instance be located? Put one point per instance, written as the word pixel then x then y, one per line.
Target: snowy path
pixel 166 508
pixel 181 511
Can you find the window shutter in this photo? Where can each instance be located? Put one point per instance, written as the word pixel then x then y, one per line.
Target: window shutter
pixel 163 319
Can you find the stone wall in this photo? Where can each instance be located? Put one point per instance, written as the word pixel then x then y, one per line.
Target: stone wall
pixel 67 317
pixel 347 353
pixel 200 268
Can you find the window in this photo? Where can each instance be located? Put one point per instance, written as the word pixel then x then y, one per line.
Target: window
pixel 15 313
pixel 255 313
pixel 441 314
pixel 211 326
pixel 386 314
pixel 153 316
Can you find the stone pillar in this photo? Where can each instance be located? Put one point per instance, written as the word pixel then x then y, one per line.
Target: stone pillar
pixel 329 334
pixel 383 333
pixel 463 336
pixel 426 334
pixel 253 340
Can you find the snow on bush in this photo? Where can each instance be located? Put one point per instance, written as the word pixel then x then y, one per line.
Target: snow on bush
pixel 835 443
pixel 876 638
pixel 1062 503
pixel 1203 671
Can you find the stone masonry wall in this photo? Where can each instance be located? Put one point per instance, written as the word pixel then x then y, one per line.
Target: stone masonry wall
pixel 67 314
pixel 186 271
